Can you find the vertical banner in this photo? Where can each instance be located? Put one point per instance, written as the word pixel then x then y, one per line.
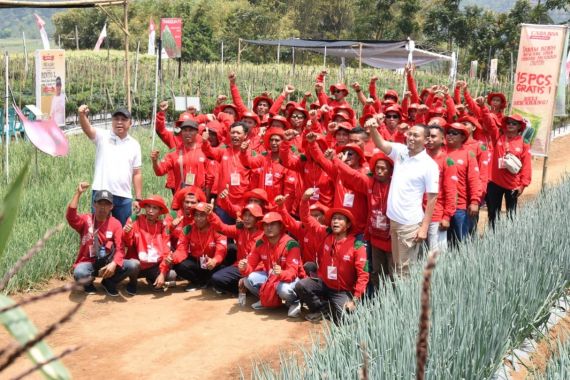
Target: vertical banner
pixel 538 69
pixel 151 37
pixel 101 38
pixel 560 107
pixel 41 26
pixel 493 70
pixel 50 84
pixel 171 36
pixel 473 69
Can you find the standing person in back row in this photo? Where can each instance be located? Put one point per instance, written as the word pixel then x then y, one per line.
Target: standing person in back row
pixel 415 173
pixel 118 162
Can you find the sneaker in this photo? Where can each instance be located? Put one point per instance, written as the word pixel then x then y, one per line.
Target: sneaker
pixel 294 310
pixel 219 292
pixel 257 306
pixel 191 288
pixel 314 317
pixel 132 289
pixel 90 289
pixel 110 288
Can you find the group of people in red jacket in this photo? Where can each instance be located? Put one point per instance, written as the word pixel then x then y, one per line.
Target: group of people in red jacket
pixel 288 200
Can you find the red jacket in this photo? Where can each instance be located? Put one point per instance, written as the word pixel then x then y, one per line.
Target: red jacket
pixel 110 234
pixel 195 243
pixel 520 149
pixel 186 165
pixel 344 194
pixel 269 175
pixel 232 172
pixel 174 232
pixel 346 257
pixel 311 174
pixel 447 197
pixel 376 193
pixel 468 181
pixel 284 253
pixel 245 239
pixel 147 243
pixel 483 156
pixel 310 244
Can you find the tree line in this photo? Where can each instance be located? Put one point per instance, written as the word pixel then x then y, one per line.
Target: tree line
pixel 443 25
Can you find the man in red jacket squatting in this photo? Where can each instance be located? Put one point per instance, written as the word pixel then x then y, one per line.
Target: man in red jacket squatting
pixel 280 258
pixel 342 277
pixel 415 174
pixel 101 249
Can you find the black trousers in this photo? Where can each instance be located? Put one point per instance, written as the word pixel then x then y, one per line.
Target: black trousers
pixel 495 194
pixel 320 298
pixel 191 270
pixel 227 279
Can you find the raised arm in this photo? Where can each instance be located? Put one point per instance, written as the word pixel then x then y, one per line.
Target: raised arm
pixel 382 144
pixel 84 122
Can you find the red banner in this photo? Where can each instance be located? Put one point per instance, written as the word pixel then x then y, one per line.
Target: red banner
pixel 171 36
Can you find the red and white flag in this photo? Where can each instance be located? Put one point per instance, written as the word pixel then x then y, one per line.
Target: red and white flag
pixel 102 37
pixel 41 25
pixel 151 37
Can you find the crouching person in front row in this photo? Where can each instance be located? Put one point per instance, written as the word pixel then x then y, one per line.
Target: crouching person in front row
pixel 200 252
pixel 342 275
pixel 281 265
pixel 101 248
pixel 147 243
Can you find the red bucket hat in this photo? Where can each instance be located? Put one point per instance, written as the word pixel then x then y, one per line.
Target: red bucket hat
pixel 518 118
pixel 281 119
pixel 251 115
pixel 257 194
pixel 155 200
pixel 440 121
pixel 344 125
pixel 472 120
pixel 491 95
pixel 380 156
pixel 300 109
pixel 259 98
pixel 391 93
pixel 337 210
pixel 339 87
pixel 178 199
pixel 232 106
pixel 214 126
pixel 354 148
pixel 270 132
pixel 395 108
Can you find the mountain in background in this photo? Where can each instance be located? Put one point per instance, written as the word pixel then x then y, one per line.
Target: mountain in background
pixel 505 5
pixel 14 21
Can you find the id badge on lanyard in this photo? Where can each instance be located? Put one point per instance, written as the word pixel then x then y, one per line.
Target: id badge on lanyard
pixel 268 179
pixel 152 254
pixel 348 200
pixel 316 194
pixel 190 179
pixel 332 272
pixel 235 179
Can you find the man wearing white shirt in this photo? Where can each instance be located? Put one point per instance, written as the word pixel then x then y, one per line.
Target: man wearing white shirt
pixel 118 161
pixel 57 108
pixel 415 174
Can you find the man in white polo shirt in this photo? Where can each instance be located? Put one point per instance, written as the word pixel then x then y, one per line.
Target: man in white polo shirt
pixel 415 174
pixel 118 161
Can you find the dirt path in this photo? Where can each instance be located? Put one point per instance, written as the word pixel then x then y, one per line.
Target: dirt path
pixel 178 335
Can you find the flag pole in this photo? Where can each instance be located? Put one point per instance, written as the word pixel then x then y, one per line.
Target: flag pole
pixel 154 105
pixel 7 125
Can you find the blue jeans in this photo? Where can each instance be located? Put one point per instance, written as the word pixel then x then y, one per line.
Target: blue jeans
pixel 224 216
pixel 89 270
pixel 285 290
pixel 461 224
pixel 122 207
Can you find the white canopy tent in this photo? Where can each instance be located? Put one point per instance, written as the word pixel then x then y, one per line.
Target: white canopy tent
pixel 381 54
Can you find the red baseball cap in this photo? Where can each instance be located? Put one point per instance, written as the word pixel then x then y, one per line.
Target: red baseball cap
pixel 392 93
pixel 254 209
pixel 377 157
pixel 337 210
pixel 259 98
pixel 281 119
pixel 257 194
pixel 252 116
pixel 339 87
pixel 459 127
pixel 356 149
pixel 178 199
pixel 271 217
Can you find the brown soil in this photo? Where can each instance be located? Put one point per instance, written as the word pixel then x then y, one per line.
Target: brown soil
pixel 546 349
pixel 178 335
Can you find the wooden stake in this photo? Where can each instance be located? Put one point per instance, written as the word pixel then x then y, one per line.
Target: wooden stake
pixel 239 51
pixel 544 172
pixel 360 56
pixel 76 39
pixel 127 66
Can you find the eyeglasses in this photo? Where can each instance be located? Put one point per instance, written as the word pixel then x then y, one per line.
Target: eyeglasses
pixel 297 116
pixel 453 132
pixel 392 116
